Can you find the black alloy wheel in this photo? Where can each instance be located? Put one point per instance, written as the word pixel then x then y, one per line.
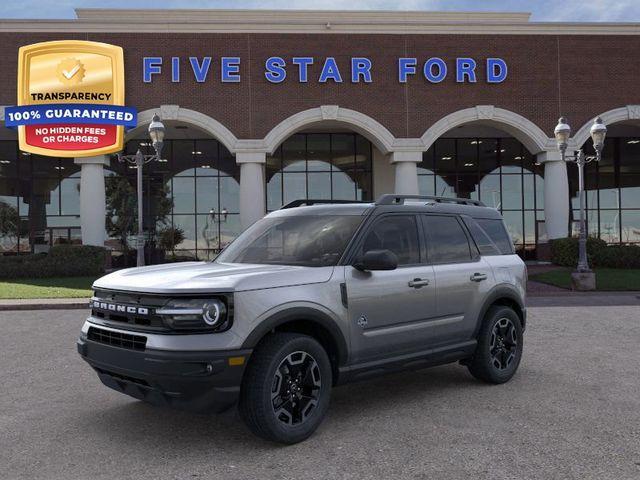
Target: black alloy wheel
pixel 286 387
pixel 499 348
pixel 296 388
pixel 504 343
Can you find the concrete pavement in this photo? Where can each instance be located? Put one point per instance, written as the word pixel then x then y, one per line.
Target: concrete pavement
pixel 571 412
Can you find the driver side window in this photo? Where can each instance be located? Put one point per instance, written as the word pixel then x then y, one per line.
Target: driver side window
pixel 397 233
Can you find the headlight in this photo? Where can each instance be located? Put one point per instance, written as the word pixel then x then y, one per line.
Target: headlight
pixel 195 314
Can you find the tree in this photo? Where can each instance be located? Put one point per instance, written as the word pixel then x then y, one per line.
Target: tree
pixel 9 222
pixel 122 208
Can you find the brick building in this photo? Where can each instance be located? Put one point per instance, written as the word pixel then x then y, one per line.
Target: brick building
pixel 263 107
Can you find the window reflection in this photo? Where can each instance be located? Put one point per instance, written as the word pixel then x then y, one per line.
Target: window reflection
pixel 612 191
pixel 319 166
pixel 498 171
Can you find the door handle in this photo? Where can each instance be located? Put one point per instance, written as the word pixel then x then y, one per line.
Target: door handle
pixel 418 282
pixel 478 277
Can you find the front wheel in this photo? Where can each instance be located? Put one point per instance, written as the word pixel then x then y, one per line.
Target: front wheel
pixel 499 348
pixel 286 388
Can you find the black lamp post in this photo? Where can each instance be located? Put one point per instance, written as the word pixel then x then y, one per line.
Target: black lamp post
pixel 562 133
pixel 156 133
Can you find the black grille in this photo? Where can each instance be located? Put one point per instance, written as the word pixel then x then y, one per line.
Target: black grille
pixel 117 339
pixel 135 320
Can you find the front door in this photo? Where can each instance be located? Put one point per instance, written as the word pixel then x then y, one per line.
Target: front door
pixel 389 311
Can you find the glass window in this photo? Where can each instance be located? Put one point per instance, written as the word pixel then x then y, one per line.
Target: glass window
pixel 485 245
pixel 183 195
pixel 319 185
pixel 182 160
pixel 305 240
pixel 319 166
pixel 511 155
pixel 512 192
pixel 445 156
pixel 496 231
pixel 319 152
pixel 631 226
pixel 446 239
pixel 426 184
pixel 514 223
pixel 397 233
pixel 294 153
pixel 487 156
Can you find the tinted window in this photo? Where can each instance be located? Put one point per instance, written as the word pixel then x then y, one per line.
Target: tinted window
pixel 397 233
pixel 306 240
pixel 496 231
pixel 480 237
pixel 446 240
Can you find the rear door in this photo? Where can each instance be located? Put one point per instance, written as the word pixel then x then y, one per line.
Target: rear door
pixel 462 277
pixel 389 311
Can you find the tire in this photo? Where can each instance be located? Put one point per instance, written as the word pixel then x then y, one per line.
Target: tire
pixel 297 369
pixel 500 345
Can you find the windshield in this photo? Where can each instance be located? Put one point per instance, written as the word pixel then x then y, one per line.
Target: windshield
pixel 305 240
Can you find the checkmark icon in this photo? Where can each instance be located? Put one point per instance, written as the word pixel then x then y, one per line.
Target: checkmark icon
pixel 71 73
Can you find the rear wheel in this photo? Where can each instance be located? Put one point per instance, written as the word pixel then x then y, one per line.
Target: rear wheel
pixel 499 349
pixel 286 388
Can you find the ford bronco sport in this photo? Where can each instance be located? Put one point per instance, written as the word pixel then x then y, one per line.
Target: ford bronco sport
pixel 315 294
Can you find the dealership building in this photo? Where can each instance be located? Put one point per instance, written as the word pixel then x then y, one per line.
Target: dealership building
pixel 265 107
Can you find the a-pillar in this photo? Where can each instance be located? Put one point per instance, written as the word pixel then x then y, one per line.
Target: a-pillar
pixel 556 194
pixel 252 187
pixel 92 199
pixel 406 170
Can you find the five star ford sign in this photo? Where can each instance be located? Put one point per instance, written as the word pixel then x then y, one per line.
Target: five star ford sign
pixel 70 99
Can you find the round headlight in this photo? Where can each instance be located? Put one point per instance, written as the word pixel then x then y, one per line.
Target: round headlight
pixel 213 313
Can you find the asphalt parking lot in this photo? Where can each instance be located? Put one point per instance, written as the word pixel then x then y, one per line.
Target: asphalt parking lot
pixel 572 411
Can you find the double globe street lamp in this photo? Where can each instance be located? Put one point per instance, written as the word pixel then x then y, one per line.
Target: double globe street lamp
pixel 583 278
pixel 156 134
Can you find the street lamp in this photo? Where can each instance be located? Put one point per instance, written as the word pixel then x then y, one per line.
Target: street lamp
pixel 562 133
pixel 156 133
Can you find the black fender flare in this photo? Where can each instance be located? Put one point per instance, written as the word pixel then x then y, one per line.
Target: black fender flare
pixel 497 293
pixel 301 313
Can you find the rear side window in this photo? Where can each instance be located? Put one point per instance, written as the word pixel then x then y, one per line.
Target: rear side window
pixel 446 240
pixel 486 246
pixel 494 228
pixel 397 233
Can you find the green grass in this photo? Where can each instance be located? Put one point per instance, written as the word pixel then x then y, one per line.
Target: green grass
pixel 607 279
pixel 68 287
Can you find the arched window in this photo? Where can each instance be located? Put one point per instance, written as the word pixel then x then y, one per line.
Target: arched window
pixel 334 166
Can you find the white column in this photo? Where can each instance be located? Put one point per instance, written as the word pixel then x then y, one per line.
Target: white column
pixel 556 194
pixel 93 208
pixel 406 166
pixel 252 187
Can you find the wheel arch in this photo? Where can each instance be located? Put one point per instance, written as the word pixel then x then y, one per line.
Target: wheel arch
pixel 507 296
pixel 307 321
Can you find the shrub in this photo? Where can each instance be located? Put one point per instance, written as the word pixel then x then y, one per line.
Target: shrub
pixel 564 252
pixel 169 237
pixel 61 261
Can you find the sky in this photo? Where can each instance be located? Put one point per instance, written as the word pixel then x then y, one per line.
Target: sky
pixel 542 10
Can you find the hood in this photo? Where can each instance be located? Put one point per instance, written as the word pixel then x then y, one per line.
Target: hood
pixel 207 277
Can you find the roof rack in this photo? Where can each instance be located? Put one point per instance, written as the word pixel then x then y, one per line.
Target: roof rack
pixel 391 199
pixel 308 201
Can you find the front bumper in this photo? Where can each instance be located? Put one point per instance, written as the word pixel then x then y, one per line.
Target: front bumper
pixel 203 381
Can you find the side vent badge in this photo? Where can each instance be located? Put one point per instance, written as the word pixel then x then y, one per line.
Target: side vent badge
pixel 362 321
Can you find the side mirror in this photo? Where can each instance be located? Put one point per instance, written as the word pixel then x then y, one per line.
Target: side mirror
pixel 377 260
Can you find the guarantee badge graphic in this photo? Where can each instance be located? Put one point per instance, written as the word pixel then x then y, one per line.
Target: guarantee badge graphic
pixel 71 99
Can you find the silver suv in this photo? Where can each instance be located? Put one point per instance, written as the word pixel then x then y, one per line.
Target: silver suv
pixel 313 295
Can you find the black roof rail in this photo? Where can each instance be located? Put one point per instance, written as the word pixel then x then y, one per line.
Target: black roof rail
pixel 308 201
pixel 392 199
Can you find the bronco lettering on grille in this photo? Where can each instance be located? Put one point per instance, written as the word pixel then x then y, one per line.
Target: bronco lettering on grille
pixel 113 307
